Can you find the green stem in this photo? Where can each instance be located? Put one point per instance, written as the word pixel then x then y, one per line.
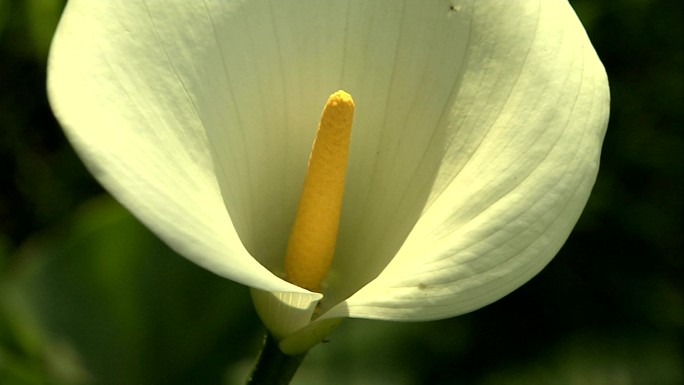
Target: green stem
pixel 274 367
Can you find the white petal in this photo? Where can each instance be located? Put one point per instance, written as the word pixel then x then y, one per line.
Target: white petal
pixel 276 62
pixel 258 73
pixel 521 154
pixel 250 78
pixel 124 82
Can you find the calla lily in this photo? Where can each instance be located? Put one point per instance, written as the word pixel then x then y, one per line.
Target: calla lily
pixel 475 145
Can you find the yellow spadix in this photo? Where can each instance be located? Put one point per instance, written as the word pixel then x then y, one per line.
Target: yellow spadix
pixel 312 240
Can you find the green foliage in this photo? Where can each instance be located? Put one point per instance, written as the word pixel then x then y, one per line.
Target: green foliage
pixel 42 17
pixel 89 296
pixel 102 301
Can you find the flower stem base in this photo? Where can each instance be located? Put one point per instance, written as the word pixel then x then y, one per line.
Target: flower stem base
pixel 273 367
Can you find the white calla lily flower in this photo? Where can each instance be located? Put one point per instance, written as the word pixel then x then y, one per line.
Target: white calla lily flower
pixel 475 145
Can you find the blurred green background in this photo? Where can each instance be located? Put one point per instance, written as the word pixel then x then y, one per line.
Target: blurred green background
pixel 89 296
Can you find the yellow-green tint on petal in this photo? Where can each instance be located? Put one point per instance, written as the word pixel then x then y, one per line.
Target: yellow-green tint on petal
pixel 312 241
pixel 284 313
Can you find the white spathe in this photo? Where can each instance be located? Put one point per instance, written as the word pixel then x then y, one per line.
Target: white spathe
pixel 475 144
